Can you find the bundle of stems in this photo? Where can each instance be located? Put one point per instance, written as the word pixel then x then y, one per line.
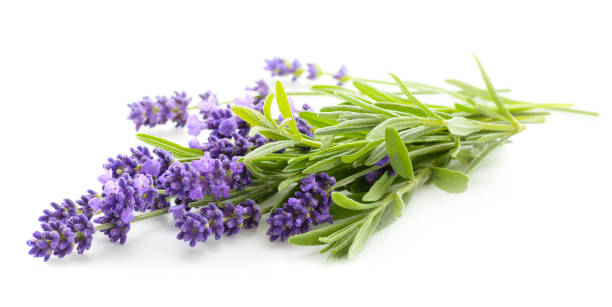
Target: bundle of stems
pixel 389 135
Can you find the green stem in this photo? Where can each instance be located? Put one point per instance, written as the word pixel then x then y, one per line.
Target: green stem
pixel 137 218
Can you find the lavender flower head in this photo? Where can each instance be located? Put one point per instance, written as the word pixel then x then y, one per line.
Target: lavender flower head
pixel 309 206
pixel 281 67
pixel 342 75
pixel 313 71
pixel 206 176
pixel 55 239
pixel 147 112
pixel 197 226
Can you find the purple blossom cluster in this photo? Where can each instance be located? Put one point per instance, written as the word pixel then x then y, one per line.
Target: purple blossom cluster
pixel 342 75
pixel 139 162
pixel 206 176
pixel 64 226
pixel 309 206
pixel 147 112
pixel 281 67
pixel 210 220
pixel 120 198
pixel 229 135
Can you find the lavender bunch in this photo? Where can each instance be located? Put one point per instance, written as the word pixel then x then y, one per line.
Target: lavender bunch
pixel 330 178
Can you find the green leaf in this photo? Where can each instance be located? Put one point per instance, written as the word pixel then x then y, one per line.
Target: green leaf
pixel 358 101
pixel 398 205
pixel 267 107
pixel 284 107
pixel 333 130
pixel 411 98
pixel 500 104
pixel 450 180
pixel 251 116
pixel 377 153
pixel 343 108
pixel 399 123
pixel 347 203
pixel 269 148
pixel 364 233
pixel 317 121
pixel 287 182
pixel 363 151
pixel 340 234
pixel 360 122
pixel 373 92
pixel 323 165
pixel 177 151
pixel 398 154
pixel 312 237
pixel 462 126
pixel 271 133
pixel 402 108
pixel 379 188
pixel 330 89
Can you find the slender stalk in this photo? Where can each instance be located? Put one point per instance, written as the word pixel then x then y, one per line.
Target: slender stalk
pixel 137 218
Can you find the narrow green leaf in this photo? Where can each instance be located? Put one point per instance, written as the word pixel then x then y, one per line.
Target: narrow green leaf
pixel 333 130
pixel 450 180
pixel 462 126
pixel 500 104
pixel 272 134
pixel 317 121
pixel 347 203
pixel 267 107
pixel 285 107
pixel 343 108
pixel 360 122
pixel 398 205
pixel 364 233
pixel 411 98
pixel 312 237
pixel 402 108
pixel 177 151
pixel 323 165
pixel 399 123
pixel 379 188
pixel 285 183
pixel 338 235
pixel 269 148
pixel 358 101
pixel 398 154
pixel 374 93
pixel 251 116
pixel 363 151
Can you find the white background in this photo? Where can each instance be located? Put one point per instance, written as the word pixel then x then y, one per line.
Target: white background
pixel 533 229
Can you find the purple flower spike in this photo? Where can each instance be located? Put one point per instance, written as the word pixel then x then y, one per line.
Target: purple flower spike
pixel 208 103
pixel 342 75
pixel 310 206
pixel 215 219
pixel 261 88
pixel 178 108
pixel 193 228
pixel 278 67
pixel 82 225
pixel 296 70
pixel 233 215
pixel 251 214
pixel 314 71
